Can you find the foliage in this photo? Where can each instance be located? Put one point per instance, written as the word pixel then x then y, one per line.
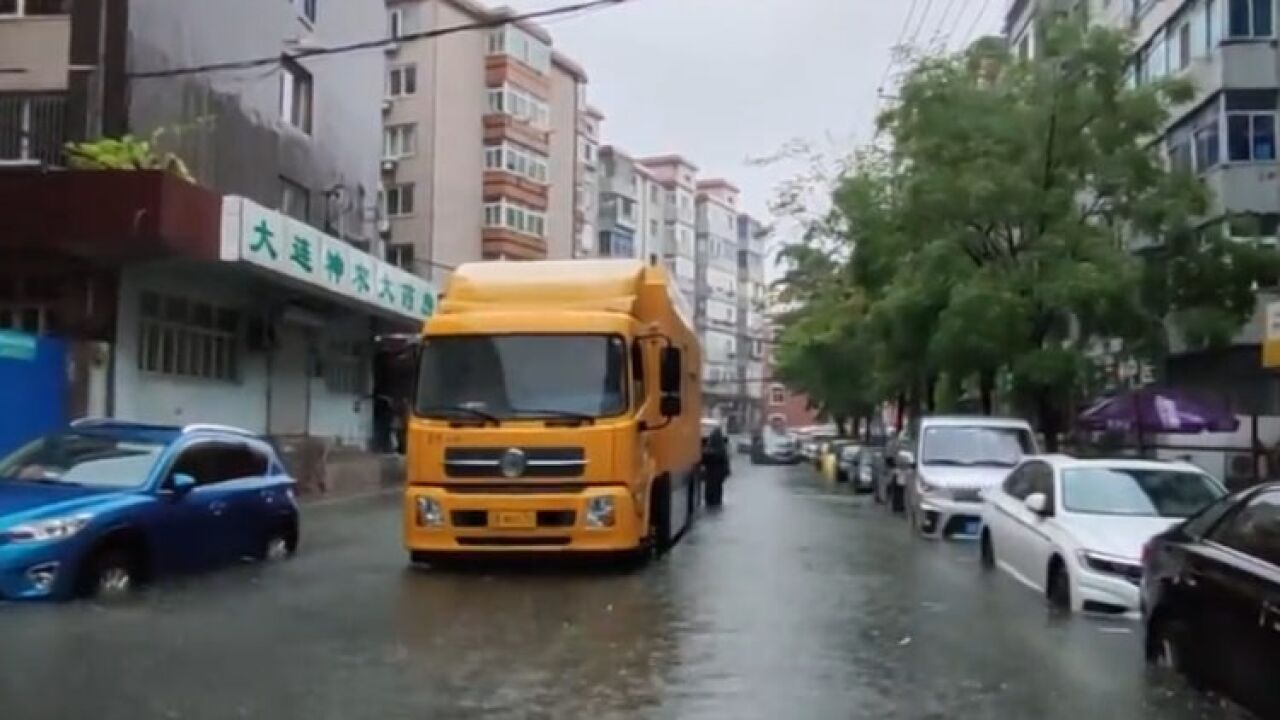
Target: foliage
pixel 993 235
pixel 126 153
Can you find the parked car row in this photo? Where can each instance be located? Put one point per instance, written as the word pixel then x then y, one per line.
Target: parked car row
pixel 104 506
pixel 1163 541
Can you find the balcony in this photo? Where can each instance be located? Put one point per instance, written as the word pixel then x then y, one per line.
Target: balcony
pixel 32 129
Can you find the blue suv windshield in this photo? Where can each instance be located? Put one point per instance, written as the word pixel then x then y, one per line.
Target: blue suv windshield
pixel 90 460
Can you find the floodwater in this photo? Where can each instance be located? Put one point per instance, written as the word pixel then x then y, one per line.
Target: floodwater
pixel 795 600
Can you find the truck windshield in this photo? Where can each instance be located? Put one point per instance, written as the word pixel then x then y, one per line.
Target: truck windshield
pixel 522 376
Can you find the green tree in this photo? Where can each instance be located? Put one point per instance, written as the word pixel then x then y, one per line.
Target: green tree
pixel 994 231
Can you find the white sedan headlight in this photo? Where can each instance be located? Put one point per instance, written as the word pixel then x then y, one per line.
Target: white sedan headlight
pixel 54 529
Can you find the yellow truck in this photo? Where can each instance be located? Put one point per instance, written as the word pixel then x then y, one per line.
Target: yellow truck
pixel 556 409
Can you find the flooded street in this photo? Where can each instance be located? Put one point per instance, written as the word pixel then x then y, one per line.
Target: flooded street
pixel 796 600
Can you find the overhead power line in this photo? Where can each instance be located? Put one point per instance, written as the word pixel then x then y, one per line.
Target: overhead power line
pixel 977 20
pixel 942 23
pixel 303 53
pixel 893 49
pixel 915 35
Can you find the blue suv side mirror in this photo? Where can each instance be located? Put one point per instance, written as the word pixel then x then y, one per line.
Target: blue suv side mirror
pixel 182 483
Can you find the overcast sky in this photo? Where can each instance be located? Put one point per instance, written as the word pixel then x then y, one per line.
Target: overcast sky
pixel 722 81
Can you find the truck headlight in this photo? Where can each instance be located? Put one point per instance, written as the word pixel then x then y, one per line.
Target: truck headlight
pixel 600 512
pixel 430 514
pixel 55 529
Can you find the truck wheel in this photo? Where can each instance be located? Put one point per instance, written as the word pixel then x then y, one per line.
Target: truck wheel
pixel 660 518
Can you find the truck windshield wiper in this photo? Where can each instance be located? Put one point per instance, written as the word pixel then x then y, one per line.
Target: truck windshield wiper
pixel 473 412
pixel 555 412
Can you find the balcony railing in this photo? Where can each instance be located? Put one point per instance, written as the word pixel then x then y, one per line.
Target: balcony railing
pixel 32 128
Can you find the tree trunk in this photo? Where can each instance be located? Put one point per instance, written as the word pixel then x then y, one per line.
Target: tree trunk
pixel 986 390
pixel 900 410
pixel 930 389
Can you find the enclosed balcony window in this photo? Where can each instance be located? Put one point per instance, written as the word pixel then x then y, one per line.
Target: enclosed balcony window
pixel 25 8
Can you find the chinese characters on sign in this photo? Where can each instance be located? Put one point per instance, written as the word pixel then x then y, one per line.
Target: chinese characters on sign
pixel 267 239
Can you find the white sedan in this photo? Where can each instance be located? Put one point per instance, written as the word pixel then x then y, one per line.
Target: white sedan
pixel 1074 529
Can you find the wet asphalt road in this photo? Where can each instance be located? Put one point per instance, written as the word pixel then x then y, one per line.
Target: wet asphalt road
pixel 795 601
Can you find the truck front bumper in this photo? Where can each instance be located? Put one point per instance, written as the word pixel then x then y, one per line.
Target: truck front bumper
pixel 541 522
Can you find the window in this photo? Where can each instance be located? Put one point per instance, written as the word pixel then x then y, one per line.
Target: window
pixel 402 80
pixel 1183 54
pixel 522 376
pixel 22 8
pixel 638 391
pixel 401 255
pixel 517 159
pixel 520 105
pixel 97 461
pixel 30 319
pixel 1251 136
pixel 295 95
pixel 1129 492
pixel 975 445
pixel 515 42
pixel 1208 147
pixel 395 22
pixel 295 200
pixel 1181 154
pixel 1212 24
pixel 217 462
pixel 1249 18
pixel 398 200
pixel 508 215
pixel 344 369
pixel 653 228
pixel 399 141
pixel 307 9
pixel 1255 529
pixel 187 338
pixel 31 127
pixel 777 395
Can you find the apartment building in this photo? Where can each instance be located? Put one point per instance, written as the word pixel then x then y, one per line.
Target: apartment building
pixel 253 295
pixel 1226 134
pixel 753 330
pixel 482 142
pixel 716 285
pixel 589 177
pixel 678 180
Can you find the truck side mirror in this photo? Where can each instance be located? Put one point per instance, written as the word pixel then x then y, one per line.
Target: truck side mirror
pixel 670 381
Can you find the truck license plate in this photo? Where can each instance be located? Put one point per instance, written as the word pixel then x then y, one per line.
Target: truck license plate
pixel 515 520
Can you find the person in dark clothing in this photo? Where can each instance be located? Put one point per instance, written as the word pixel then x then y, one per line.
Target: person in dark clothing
pixel 715 466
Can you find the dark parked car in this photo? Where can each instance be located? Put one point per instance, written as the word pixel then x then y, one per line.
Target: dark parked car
pixel 1211 598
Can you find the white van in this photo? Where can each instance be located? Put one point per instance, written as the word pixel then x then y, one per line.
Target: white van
pixel 948 462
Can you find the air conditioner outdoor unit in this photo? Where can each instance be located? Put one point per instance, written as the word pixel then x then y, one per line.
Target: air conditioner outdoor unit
pixel 386 105
pixel 391 48
pixel 384 226
pixel 388 166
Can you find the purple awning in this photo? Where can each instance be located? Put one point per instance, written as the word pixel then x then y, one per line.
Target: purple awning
pixel 1160 410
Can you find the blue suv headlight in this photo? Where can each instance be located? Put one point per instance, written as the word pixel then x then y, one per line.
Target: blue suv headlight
pixel 54 529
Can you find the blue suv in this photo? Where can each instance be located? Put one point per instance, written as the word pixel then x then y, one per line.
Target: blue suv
pixel 104 506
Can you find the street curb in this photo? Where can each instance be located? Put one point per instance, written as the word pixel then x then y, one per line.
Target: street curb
pixel 311 501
